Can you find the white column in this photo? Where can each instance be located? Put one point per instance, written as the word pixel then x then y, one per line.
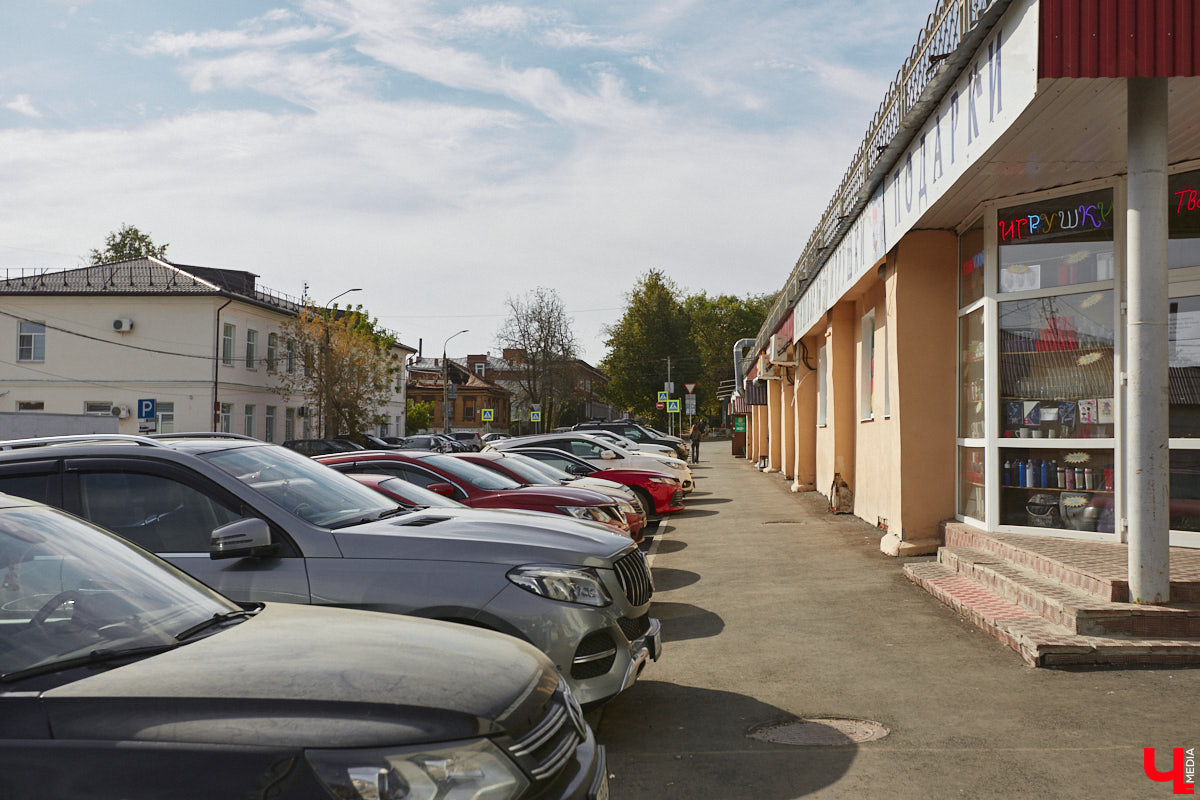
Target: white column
pixel 1147 473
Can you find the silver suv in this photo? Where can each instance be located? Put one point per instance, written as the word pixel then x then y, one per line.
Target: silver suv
pixel 258 522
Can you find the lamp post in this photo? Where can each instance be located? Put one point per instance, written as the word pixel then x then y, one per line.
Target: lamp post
pixel 445 381
pixel 324 398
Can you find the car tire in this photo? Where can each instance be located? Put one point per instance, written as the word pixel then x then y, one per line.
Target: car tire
pixel 647 502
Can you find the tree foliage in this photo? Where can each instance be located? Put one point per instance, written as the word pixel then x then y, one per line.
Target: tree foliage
pixel 654 328
pixel 125 243
pixel 538 326
pixel 419 416
pixel 697 332
pixel 346 367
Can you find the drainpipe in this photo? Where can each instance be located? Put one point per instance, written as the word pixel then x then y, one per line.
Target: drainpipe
pixel 216 409
pixel 1147 455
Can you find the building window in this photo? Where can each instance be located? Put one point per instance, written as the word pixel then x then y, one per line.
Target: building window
pixel 269 424
pixel 1059 242
pixel 227 335
pixel 166 417
pixel 971 497
pixel 972 378
pixel 289 424
pixel 249 420
pixel 99 408
pixel 971 261
pixel 480 368
pixel 31 341
pixel 226 417
pixel 272 350
pixel 822 386
pixel 866 398
pixel 885 356
pixel 291 357
pixel 251 349
pixel 31 405
pixel 468 408
pixel 1183 220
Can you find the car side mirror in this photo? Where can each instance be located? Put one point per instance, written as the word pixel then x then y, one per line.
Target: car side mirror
pixel 608 455
pixel 579 469
pixel 444 489
pixel 244 537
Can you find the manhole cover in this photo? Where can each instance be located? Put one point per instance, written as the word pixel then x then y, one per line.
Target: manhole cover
pixel 819 732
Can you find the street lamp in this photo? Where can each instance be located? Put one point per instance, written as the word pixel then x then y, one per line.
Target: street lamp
pixel 325 415
pixel 445 381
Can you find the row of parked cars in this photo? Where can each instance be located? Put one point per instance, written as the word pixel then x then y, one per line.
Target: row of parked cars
pixel 169 604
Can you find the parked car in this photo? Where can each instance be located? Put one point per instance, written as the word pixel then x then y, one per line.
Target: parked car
pixel 513 465
pixel 366 441
pixel 660 494
pixel 647 448
pixel 122 677
pixel 471 439
pixel 259 522
pixel 601 453
pixel 313 447
pixel 421 441
pixel 638 433
pixel 491 437
pixel 477 487
pixel 453 445
pixel 406 494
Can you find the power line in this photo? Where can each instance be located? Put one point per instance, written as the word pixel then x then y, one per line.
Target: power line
pixel 114 344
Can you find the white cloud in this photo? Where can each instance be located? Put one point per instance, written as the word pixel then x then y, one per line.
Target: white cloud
pixel 252 34
pixel 495 18
pixel 23 105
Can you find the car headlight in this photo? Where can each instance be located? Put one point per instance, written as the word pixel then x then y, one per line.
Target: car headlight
pixel 626 507
pixel 663 479
pixel 579 585
pixel 459 771
pixel 671 464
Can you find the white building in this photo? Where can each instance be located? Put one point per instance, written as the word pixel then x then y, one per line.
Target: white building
pixel 204 344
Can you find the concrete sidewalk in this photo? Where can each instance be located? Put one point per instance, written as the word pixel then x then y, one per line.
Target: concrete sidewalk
pixel 775 610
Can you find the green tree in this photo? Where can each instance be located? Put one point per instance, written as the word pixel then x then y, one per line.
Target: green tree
pixel 654 330
pixel 419 417
pixel 126 243
pixel 349 367
pixel 718 322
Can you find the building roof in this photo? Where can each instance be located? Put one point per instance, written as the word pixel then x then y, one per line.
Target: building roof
pixel 427 372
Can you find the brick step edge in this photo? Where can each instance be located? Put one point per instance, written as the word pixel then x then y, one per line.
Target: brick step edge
pixel 1066 606
pixel 1039 642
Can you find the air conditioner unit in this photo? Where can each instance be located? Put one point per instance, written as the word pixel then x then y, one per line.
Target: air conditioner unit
pixel 122 325
pixel 777 351
pixel 766 370
pixel 122 412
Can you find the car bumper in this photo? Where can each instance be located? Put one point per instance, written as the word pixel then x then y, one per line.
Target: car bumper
pixel 589 646
pixel 667 497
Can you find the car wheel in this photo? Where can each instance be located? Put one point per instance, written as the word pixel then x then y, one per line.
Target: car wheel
pixel 647 502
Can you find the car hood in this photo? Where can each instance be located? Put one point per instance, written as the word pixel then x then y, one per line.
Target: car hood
pixel 538 495
pixel 598 484
pixel 304 676
pixel 488 536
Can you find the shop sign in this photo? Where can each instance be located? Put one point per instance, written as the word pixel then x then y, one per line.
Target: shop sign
pixel 739 424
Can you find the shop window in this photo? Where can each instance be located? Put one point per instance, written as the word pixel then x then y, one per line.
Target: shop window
pixel 1059 242
pixel 1183 220
pixel 866 385
pixel 822 387
pixel 1056 367
pixel 1185 490
pixel 31 341
pixel 972 386
pixel 1183 366
pixel 971 497
pixel 1067 489
pixel 970 257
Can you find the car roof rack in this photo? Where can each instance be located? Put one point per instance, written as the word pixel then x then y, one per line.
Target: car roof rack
pixel 202 435
pixel 37 441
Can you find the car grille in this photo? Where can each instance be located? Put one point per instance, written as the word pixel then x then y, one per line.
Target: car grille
pixel 635 628
pixel 550 744
pixel 594 656
pixel 677 498
pixel 634 577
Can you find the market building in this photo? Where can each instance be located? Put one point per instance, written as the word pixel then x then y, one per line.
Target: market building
pixel 997 320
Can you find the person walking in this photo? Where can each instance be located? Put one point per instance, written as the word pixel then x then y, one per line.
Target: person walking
pixel 696 433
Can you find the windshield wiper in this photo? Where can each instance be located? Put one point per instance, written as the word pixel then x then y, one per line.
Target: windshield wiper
pixel 215 620
pixel 391 512
pixel 94 657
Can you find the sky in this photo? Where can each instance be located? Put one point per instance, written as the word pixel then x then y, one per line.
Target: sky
pixel 442 156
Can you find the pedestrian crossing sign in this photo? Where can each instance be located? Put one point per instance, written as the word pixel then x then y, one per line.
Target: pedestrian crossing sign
pixel 487 414
pixel 535 416
pixel 672 406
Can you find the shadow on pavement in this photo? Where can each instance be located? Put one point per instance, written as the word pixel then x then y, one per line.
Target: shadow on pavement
pixel 671 741
pixel 666 578
pixel 681 621
pixel 708 500
pixel 694 512
pixel 671 545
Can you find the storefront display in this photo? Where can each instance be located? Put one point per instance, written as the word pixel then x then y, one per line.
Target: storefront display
pixel 1070 489
pixel 1060 242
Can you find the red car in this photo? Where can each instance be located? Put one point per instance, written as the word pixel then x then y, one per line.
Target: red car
pixel 660 494
pixel 478 487
pixel 533 473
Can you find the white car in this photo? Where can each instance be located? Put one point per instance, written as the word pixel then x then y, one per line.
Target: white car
pixel 642 448
pixel 601 452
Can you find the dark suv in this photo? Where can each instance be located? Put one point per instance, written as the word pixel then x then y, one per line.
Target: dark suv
pixel 634 431
pixel 121 677
pixel 258 522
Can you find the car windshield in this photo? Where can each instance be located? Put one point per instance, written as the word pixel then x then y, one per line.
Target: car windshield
pixel 69 589
pixel 310 490
pixel 472 473
pixel 527 472
pixel 417 495
pixel 549 470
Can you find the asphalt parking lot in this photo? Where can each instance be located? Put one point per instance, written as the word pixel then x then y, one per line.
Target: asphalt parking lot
pixel 775 611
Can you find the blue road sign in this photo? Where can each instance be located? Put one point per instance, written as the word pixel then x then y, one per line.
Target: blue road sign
pixel 147 408
pixel 487 414
pixel 672 406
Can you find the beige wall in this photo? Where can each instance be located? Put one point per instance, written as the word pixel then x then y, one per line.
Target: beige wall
pixel 877 439
pixel 805 410
pixel 835 441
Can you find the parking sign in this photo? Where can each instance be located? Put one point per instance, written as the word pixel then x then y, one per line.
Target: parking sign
pixel 147 408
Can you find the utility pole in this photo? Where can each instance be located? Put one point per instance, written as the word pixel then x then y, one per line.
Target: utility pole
pixel 670 422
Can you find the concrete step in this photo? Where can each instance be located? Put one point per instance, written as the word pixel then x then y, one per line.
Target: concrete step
pixel 1097 568
pixel 1039 641
pixel 1068 607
